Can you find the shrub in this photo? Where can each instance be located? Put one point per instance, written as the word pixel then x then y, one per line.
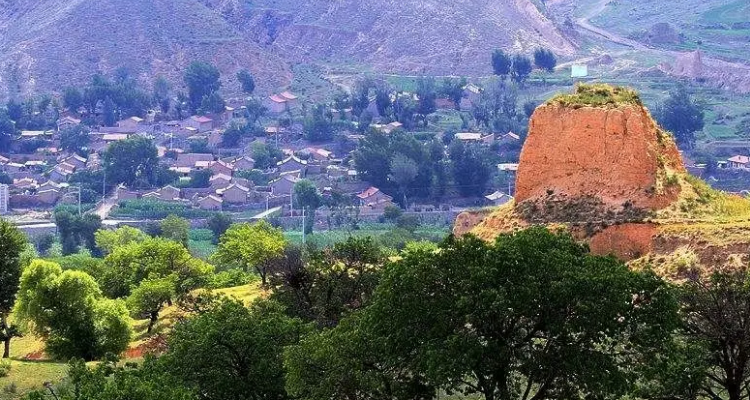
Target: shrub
pixel 4 368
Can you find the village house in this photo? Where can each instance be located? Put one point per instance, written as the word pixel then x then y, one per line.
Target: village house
pixel 61 172
pixel 191 160
pixel 132 124
pixel 372 200
pixel 739 162
pixel 498 198
pixel 51 185
pixel 244 163
pixel 319 155
pixel 509 138
pixel 220 181
pixel 278 103
pixel 114 137
pixel 43 135
pixel 283 185
pixel 211 203
pixel 49 196
pixel 67 123
pixel 471 96
pixel 234 194
pixel 169 193
pixel 25 183
pixel 200 123
pixel 469 137
pixel 76 161
pixel 292 163
pixel 221 167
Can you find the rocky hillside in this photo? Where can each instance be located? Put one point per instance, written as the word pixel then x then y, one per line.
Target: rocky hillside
pixel 46 43
pixel 597 164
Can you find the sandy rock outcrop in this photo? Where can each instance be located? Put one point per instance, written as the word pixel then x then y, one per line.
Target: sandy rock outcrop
pixel 616 156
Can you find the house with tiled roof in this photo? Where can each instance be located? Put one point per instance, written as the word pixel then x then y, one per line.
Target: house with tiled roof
pixel 283 185
pixel 221 167
pixel 210 202
pixel 372 200
pixel 234 194
pixel 292 163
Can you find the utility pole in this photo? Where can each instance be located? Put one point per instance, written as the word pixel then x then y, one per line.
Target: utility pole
pixel 303 226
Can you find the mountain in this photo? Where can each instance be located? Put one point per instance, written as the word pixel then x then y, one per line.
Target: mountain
pixel 48 43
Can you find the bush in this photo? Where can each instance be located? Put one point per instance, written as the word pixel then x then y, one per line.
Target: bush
pixel 154 209
pixel 10 388
pixel 231 278
pixel 408 222
pixel 4 368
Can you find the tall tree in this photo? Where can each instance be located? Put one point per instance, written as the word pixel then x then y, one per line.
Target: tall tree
pixel 521 68
pixel 218 223
pixel 132 160
pixel 403 172
pixel 251 247
pixel 74 138
pixel 12 243
pixel 72 99
pixel 471 168
pixel 246 81
pixel 176 229
pixel 233 352
pixel 501 63
pixel 454 90
pixel 427 94
pixel 201 79
pixel 150 297
pixel 545 59
pixel 531 316
pixel 681 115
pixel 7 131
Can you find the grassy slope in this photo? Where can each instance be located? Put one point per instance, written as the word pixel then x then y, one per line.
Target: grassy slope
pixel 28 375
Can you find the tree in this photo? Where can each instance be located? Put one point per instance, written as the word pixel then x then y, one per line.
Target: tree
pixel 212 103
pixel 7 131
pixel 532 316
pixel 200 178
pixel 109 240
pixel 67 309
pixel 12 243
pixel 521 68
pixel 403 172
pixel 307 194
pixel 470 167
pixel 161 94
pixel 176 229
pixel 454 90
pixel 150 297
pixel 392 212
pixel 681 115
pixel 318 124
pixel 131 160
pixel 545 59
pixel 230 351
pixel 77 230
pixel 427 94
pixel 127 266
pixel 383 99
pixel 246 81
pixel 232 135
pixel 201 79
pixel 251 246
pixel 75 138
pixel 72 99
pixel 109 112
pixel 218 223
pixel 501 63
pixel 714 314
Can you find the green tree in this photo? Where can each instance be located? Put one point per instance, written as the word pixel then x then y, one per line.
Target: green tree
pixel 109 240
pixel 109 112
pixel 545 59
pixel 77 230
pixel 501 63
pixel 403 172
pixel 7 131
pixel 383 99
pixel 454 90
pixel 212 103
pixel 681 115
pixel 75 138
pixel 176 229
pixel 319 125
pixel 532 316
pixel 331 284
pixel 307 194
pixel 72 99
pixel 12 243
pixel 127 266
pixel 161 94
pixel 131 160
pixel 150 297
pixel 521 69
pixel 246 81
pixel 251 246
pixel 233 352
pixel 218 223
pixel 201 79
pixel 427 94
pixel 67 309
pixel 232 135
pixel 470 167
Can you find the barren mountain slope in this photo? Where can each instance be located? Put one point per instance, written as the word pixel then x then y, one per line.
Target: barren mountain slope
pixel 50 43
pixel 397 35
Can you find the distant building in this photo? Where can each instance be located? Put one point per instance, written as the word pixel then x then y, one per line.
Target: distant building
pixel 739 162
pixel 498 198
pixel 579 71
pixel 4 198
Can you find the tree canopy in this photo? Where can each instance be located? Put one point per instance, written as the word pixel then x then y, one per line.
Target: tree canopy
pixel 250 246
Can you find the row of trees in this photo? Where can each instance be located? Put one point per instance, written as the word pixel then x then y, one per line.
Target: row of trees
pixel 519 67
pixel 532 315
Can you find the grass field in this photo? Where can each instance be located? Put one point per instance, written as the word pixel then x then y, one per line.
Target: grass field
pixel 28 375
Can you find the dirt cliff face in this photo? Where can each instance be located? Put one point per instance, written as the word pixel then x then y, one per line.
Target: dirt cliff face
pixel 615 157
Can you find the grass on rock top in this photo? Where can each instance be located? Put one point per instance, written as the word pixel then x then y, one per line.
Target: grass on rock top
pixel 597 95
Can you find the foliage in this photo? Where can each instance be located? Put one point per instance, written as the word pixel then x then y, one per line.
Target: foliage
pixel 250 246
pixel 72 98
pixel 155 209
pixel 307 195
pixel 109 240
pixel 427 93
pixel 230 351
pixel 7 131
pixel 530 316
pixel 176 229
pixel 331 284
pixel 392 212
pixel 132 161
pixel 470 168
pixel 246 81
pixel 77 230
pixel 403 172
pixel 202 80
pixel 74 139
pixel 12 243
pixel 454 90
pixel 545 59
pixel 319 124
pixel 681 115
pixel 129 265
pixel 218 223
pixel 521 68
pixel 501 63
pixel 67 309
pixel 150 296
